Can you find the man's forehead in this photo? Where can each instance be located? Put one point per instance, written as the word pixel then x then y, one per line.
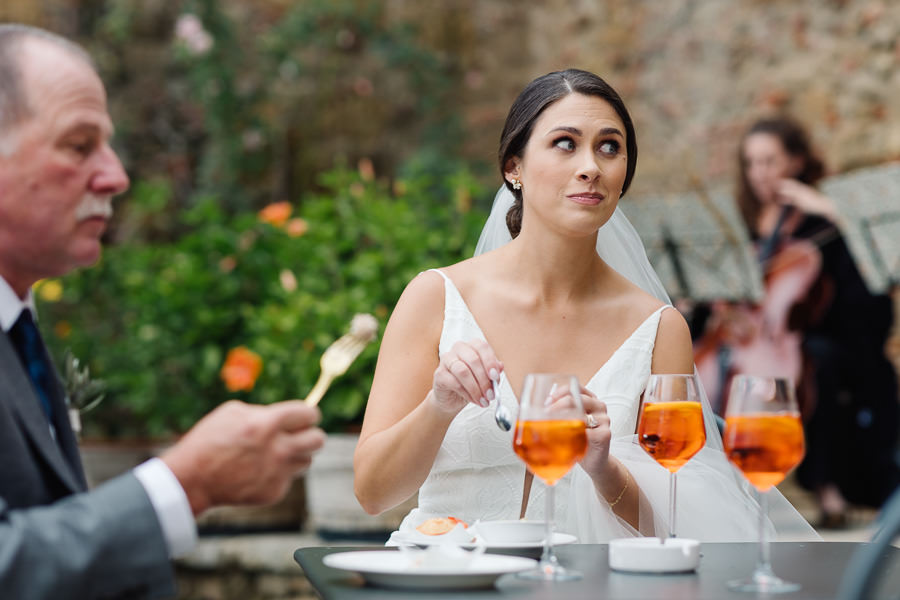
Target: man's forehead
pixel 63 86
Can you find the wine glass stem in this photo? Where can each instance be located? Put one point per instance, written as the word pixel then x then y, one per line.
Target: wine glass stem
pixel 671 504
pixel 548 558
pixel 763 561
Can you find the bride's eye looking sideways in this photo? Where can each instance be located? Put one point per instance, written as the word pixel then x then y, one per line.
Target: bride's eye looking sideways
pixel 565 143
pixel 606 147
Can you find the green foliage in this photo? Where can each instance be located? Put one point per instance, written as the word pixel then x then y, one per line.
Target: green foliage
pixel 278 95
pixel 155 321
pixel 221 108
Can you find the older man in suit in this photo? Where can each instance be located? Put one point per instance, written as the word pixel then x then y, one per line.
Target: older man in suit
pixel 58 176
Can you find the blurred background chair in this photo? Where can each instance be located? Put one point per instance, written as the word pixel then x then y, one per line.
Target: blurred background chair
pixel 862 573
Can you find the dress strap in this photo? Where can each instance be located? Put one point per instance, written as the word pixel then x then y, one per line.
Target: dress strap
pixel 442 274
pixel 453 300
pixel 450 291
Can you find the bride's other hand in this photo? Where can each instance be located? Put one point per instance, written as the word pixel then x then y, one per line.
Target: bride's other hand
pixel 466 374
pixel 611 478
pixel 596 460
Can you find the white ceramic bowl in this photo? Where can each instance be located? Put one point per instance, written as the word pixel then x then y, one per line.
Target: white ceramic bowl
pixel 509 532
pixel 649 555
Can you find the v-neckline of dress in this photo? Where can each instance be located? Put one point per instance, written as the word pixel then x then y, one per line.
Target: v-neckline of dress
pixel 503 376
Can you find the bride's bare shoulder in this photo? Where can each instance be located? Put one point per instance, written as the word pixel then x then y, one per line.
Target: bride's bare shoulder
pixel 420 305
pixel 471 271
pixel 673 351
pixel 429 285
pixel 673 331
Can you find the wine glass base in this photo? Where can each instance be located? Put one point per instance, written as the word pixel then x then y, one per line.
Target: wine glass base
pixel 550 573
pixel 766 584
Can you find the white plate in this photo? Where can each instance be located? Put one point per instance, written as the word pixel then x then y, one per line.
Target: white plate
pixel 559 539
pixel 392 569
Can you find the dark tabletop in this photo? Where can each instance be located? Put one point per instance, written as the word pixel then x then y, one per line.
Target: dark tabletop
pixel 818 566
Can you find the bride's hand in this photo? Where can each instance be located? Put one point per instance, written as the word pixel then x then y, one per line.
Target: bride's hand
pixel 596 461
pixel 466 374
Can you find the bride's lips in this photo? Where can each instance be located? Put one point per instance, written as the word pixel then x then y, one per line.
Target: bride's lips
pixel 587 198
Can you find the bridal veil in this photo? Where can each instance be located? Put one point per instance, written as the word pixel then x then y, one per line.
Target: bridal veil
pixel 715 502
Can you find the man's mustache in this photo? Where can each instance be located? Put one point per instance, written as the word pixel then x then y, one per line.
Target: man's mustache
pixel 94 206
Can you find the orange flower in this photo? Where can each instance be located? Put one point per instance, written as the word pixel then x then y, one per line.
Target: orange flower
pixel 62 329
pixel 242 367
pixel 276 213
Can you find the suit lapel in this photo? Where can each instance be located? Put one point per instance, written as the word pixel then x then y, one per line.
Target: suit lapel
pixel 25 403
pixel 65 436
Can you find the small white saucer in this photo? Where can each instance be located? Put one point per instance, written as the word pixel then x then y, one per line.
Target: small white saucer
pixel 648 555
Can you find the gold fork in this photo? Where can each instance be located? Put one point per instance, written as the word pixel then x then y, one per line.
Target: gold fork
pixel 335 361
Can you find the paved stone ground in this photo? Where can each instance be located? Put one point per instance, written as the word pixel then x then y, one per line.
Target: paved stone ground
pixel 248 567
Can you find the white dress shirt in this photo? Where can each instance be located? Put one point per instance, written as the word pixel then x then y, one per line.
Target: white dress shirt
pixel 165 492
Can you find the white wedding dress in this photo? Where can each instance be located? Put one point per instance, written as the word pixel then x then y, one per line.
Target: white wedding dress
pixel 476 475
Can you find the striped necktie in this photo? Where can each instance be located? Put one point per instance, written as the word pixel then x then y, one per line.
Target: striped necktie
pixel 27 341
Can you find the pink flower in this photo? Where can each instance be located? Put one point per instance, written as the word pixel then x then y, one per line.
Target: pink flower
pixel 366 169
pixel 288 280
pixel 190 32
pixel 296 227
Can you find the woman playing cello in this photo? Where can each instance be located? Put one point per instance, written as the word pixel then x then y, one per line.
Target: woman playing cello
pixel 817 323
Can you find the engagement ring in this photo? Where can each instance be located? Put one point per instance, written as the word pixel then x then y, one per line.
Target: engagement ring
pixel 591 421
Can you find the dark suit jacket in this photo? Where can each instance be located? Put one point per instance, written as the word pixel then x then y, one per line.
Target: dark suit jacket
pixel 58 540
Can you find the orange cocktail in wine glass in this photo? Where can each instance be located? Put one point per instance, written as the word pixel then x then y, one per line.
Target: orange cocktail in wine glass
pixel 551 448
pixel 764 439
pixel 550 438
pixel 765 447
pixel 670 428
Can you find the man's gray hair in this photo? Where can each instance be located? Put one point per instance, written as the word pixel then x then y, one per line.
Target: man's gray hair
pixel 14 105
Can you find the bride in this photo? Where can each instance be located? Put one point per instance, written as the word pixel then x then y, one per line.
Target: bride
pixel 571 292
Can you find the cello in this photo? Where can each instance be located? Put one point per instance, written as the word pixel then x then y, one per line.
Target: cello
pixel 766 338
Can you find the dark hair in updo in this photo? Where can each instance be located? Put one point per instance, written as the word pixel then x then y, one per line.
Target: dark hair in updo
pixel 538 95
pixel 795 141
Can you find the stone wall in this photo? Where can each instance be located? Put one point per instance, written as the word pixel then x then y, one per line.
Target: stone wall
pixel 694 73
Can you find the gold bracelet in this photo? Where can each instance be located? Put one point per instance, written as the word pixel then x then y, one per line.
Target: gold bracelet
pixel 622 493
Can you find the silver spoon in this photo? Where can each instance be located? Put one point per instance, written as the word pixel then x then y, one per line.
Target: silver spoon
pixel 501 413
